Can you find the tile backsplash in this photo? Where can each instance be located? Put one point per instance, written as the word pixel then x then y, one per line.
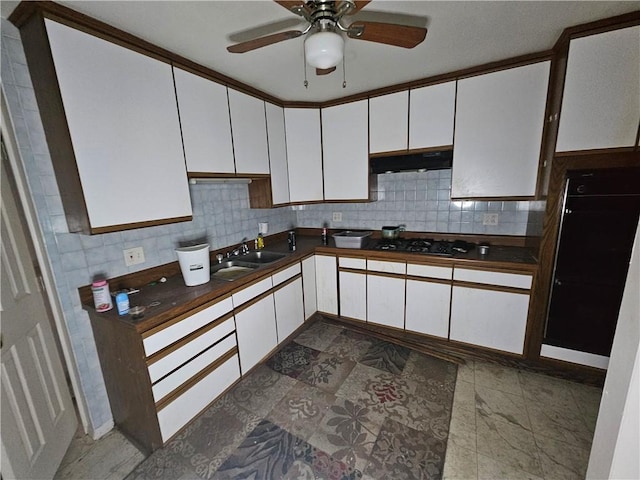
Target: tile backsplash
pixel 421 201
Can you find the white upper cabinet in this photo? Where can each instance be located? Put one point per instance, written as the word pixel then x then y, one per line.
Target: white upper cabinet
pixel 277 154
pixel 389 122
pixel 601 100
pixel 249 128
pixel 345 151
pixel 304 154
pixel 431 114
pixel 123 122
pixel 498 132
pixel 206 127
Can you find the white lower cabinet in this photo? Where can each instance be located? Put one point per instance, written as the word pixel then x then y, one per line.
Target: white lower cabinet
pixel 385 300
pixel 289 308
pixel 327 284
pixel 489 318
pixel 427 309
pixel 309 286
pixel 353 295
pixel 256 331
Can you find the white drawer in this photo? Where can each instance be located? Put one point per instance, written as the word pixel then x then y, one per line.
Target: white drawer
pixel 286 274
pixel 516 280
pixel 188 405
pixel 356 263
pixel 188 370
pixel 386 267
pixel 251 292
pixel 429 271
pixel 184 327
pixel 176 358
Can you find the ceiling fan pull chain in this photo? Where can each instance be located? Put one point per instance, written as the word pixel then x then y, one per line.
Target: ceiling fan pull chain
pixel 344 73
pixel 304 65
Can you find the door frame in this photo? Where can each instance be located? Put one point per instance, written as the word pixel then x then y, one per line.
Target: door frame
pixel 36 237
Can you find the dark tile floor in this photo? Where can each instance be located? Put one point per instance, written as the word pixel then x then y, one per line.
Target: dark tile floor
pixel 331 404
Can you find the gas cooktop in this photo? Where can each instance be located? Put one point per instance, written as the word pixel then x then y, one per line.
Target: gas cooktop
pixel 425 246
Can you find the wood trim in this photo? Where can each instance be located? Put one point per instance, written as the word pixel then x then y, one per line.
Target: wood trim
pixel 428 280
pixel 514 270
pixel 360 271
pixel 288 281
pixel 130 226
pixel 574 153
pixel 179 318
pixel 375 273
pixel 253 301
pixel 251 283
pixel 441 148
pixel 170 397
pixel 541 286
pixel 495 288
pixel 169 349
pixel 599 26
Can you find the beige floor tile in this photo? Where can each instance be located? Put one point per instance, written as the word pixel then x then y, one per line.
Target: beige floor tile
pixel 460 464
pixel 502 405
pixel 588 401
pixel 561 424
pixel 497 377
pixel 464 396
pixel 490 469
pixel 547 391
pixel 466 371
pixel 462 429
pixel 560 460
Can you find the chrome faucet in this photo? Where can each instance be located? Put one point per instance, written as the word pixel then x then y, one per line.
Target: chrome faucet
pixel 242 249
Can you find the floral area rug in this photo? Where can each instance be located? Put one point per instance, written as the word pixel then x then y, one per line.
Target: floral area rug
pixel 331 404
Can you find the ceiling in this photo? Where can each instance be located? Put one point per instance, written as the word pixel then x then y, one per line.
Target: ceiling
pixel 461 34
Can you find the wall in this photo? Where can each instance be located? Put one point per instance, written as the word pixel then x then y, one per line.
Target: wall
pixel 220 213
pixel 421 200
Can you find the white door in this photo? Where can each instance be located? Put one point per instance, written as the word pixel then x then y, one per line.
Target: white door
pixel 38 417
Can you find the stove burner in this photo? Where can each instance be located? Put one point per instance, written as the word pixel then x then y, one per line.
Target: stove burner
pixel 426 246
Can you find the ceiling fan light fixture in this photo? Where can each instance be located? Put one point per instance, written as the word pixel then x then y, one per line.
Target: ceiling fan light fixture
pixel 324 49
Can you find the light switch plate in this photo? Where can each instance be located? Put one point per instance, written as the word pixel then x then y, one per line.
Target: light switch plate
pixel 490 219
pixel 133 256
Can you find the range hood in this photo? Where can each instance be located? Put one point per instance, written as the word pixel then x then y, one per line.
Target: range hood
pixel 412 162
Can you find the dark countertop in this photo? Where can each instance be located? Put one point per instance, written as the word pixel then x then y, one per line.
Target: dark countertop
pixel 176 299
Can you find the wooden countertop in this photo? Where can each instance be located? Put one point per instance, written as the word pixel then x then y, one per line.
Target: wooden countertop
pixel 175 298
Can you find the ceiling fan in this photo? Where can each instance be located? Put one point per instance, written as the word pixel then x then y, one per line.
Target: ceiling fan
pixel 324 46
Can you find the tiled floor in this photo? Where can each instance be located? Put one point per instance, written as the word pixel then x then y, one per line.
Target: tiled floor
pixel 313 398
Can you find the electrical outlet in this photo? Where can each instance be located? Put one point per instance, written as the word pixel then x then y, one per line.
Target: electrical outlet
pixel 133 256
pixel 490 219
pixel 337 216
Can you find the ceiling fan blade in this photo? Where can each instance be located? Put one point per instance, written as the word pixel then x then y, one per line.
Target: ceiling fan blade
pixel 263 41
pixel 324 71
pixel 388 33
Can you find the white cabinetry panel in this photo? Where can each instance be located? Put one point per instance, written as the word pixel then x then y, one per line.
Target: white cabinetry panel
pixel 601 99
pixel 389 122
pixel 516 280
pixel 327 284
pixel 353 295
pixel 249 128
pixel 345 151
pixel 385 300
pixel 205 122
pixel 289 308
pixel 122 116
pixel 498 132
pixel 431 114
pixel 277 154
pixel 427 309
pixel 304 154
pixel 309 286
pixel 256 330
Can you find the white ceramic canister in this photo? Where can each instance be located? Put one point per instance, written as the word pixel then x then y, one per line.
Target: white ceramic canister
pixel 101 296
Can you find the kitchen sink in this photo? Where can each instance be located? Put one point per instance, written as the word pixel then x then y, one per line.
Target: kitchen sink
pixel 232 269
pixel 262 256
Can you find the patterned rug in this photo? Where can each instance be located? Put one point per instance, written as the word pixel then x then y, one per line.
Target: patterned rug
pixel 331 404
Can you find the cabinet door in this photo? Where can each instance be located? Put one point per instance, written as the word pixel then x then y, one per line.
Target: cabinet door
pixel 385 300
pixel 489 318
pixel 431 113
pixel 353 295
pixel 256 331
pixel 277 154
pixel 389 122
pixel 427 309
pixel 498 132
pixel 601 99
pixel 249 129
pixel 205 123
pixel 289 309
pixel 304 154
pixel 309 286
pixel 345 151
pixel 122 116
pixel 327 284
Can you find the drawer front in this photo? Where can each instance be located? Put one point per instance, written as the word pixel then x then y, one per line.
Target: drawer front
pixel 515 280
pixel 176 358
pixel 286 274
pixel 175 332
pixel 356 263
pixel 429 271
pixel 253 291
pixel 386 267
pixel 188 405
pixel 193 367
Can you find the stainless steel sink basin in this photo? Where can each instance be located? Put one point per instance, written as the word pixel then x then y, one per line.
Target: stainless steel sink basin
pixel 262 256
pixel 232 269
